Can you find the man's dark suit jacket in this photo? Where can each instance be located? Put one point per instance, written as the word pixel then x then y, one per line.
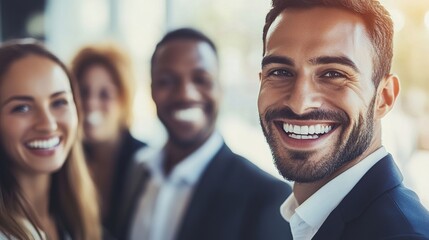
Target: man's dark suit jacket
pixel 378 207
pixel 233 200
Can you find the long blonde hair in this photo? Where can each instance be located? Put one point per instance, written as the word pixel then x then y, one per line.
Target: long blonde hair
pixel 72 194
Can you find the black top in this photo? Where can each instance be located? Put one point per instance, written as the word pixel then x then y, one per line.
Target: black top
pixel 124 160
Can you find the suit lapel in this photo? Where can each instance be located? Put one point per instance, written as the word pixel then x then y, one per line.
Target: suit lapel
pixel 331 228
pixel 204 195
pixel 384 175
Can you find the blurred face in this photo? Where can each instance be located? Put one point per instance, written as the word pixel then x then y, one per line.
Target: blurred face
pixel 38 118
pixel 102 105
pixel 186 91
pixel 316 99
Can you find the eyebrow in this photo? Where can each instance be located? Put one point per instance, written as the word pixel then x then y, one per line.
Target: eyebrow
pixel 343 60
pixel 59 93
pixel 30 99
pixel 277 59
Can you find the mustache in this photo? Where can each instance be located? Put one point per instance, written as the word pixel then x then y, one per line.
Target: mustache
pixel 329 115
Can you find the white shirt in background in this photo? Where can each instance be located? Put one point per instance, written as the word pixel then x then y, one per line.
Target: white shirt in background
pixel 165 199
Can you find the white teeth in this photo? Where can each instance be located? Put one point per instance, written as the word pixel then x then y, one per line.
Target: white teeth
pixel 317 129
pixel 44 144
pixel 297 129
pixel 311 130
pixel 189 115
pixel 306 132
pixel 303 136
pixel 94 118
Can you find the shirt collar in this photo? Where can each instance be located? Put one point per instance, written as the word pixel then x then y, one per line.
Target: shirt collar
pixel 189 169
pixel 331 194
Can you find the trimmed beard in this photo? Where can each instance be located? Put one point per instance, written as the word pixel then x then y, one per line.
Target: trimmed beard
pixel 295 166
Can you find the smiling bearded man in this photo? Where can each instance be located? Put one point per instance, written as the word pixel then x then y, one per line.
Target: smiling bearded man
pixel 325 86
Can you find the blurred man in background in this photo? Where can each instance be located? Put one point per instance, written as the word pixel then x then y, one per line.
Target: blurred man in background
pixel 197 187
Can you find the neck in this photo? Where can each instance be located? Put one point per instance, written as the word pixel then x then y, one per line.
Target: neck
pixel 176 153
pixel 104 151
pixel 36 190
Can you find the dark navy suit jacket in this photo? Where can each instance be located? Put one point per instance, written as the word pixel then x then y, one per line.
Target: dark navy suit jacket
pixel 233 200
pixel 378 207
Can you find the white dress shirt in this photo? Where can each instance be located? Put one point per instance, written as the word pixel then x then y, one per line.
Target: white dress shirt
pixel 306 219
pixel 165 198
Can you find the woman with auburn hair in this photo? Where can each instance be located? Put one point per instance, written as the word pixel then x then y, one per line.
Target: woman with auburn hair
pixel 103 72
pixel 45 189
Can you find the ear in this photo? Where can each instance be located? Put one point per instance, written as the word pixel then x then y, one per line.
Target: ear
pixel 260 76
pixel 387 92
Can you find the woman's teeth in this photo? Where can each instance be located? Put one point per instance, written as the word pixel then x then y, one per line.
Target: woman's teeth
pixel 94 118
pixel 44 144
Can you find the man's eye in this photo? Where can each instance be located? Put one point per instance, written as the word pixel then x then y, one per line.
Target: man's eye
pixel 281 73
pixel 333 74
pixel 21 109
pixel 202 80
pixel 165 81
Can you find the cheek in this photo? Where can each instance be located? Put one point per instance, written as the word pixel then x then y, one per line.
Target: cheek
pixel 11 135
pixel 73 123
pixel 268 97
pixel 214 98
pixel 114 114
pixel 354 101
pixel 111 107
pixel 161 98
pixel 69 119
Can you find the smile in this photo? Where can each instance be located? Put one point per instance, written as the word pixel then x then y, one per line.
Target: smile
pixel 189 115
pixel 44 144
pixel 306 131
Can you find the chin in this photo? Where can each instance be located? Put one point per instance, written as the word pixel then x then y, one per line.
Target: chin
pixel 51 169
pixel 190 140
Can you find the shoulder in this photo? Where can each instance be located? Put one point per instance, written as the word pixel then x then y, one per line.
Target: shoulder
pixel 238 170
pixel 404 206
pixel 397 212
pixel 241 166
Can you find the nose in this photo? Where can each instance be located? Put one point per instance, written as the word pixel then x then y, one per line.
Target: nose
pixel 304 96
pixel 90 102
pixel 188 92
pixel 46 121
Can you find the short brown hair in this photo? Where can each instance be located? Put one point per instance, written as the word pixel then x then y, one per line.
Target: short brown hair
pixel 379 26
pixel 117 63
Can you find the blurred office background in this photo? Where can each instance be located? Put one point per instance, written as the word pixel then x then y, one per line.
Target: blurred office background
pixel 236 27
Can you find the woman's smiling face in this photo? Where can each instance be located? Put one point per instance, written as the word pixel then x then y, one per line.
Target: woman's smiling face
pixel 38 116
